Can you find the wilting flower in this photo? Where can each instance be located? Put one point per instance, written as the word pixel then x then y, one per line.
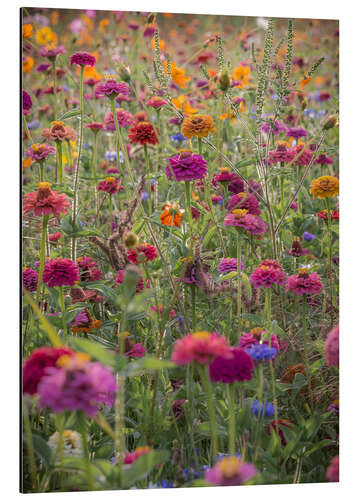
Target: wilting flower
pixel 83 59
pixel 75 383
pixel 236 368
pixel 324 187
pixel 59 272
pixel 197 125
pixel 124 117
pixel 262 410
pixel 186 166
pixel 109 185
pixel 84 322
pixel 39 152
pixel 111 89
pixel 36 364
pixel 201 347
pixel 268 273
pixel 332 347
pixel 171 215
pixel 58 132
pixel 79 295
pixel 229 264
pixel 240 218
pixel 142 253
pixel 71 443
pixel 29 279
pixel 333 470
pixel 45 201
pixel 230 471
pixel 130 457
pixel 304 283
pixel 245 201
pixel 88 269
pixel 143 133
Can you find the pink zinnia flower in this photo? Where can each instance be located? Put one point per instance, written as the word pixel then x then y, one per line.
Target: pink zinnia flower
pixel 186 166
pixel 45 201
pixel 156 102
pixel 333 470
pixel 88 269
pixel 77 384
pixel 201 347
pixel 332 347
pixel 59 272
pixel 268 273
pixel 125 119
pixel 230 471
pixel 258 336
pixel 83 59
pixel 246 201
pixel 235 369
pixel 304 283
pixel 229 264
pixel 130 457
pixel 142 253
pixel 53 237
pixel 39 152
pixel 304 158
pixel 281 155
pixel 252 224
pixel 95 126
pixel 111 89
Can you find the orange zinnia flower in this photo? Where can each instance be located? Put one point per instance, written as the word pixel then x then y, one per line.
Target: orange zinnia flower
pixel 197 125
pixel 171 214
pixel 304 81
pixel 27 64
pixel 177 74
pixel 27 31
pixel 325 187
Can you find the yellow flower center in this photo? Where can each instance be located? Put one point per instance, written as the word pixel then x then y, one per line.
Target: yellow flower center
pixel 201 335
pixel 110 179
pixel 239 212
pixel 229 466
pixel 44 185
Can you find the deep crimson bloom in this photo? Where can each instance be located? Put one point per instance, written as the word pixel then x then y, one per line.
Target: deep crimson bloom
pixel 59 272
pixel 282 422
pixel 142 253
pixel 332 347
pixel 304 158
pixel 236 185
pixel 35 366
pixel 53 237
pixel 201 347
pixel 143 133
pixel 45 201
pixel 296 249
pixel 333 470
pixel 26 101
pixel 88 269
pixel 124 117
pixel 224 177
pixel 335 215
pixel 235 369
pixel 111 89
pixel 304 283
pixel 83 59
pixel 268 273
pixel 109 185
pixel 246 201
pixel 39 152
pixel 95 126
pixel 77 384
pixel 29 279
pixel 186 166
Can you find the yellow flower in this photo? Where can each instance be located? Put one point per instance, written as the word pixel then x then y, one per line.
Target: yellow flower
pixel 45 36
pixel 177 74
pixel 325 187
pixel 197 125
pixel 27 31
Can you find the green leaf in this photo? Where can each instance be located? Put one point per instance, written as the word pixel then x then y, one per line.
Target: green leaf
pixel 41 448
pixel 229 276
pixel 70 114
pixel 247 286
pixel 95 350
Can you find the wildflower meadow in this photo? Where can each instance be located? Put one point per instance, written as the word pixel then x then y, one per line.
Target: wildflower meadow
pixel 180 250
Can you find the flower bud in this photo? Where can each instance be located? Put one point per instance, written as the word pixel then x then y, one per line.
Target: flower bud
pixel 330 122
pixel 131 240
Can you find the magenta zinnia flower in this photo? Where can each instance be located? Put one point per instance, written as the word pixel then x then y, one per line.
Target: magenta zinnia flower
pixel 296 132
pixel 29 279
pixel 246 201
pixel 332 347
pixel 77 384
pixel 111 89
pixel 229 264
pixel 258 336
pixel 88 269
pixel 109 185
pixel 230 471
pixel 333 470
pixel 252 224
pixel 186 166
pixel 281 155
pixel 26 101
pixel 237 368
pixel 52 52
pixel 268 273
pixel 59 272
pixel 304 283
pixel 83 59
pixel 201 347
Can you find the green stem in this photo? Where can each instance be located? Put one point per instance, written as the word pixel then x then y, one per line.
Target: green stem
pixel 147 170
pixel 118 133
pixel 59 162
pixel 54 89
pixel 63 309
pixel 41 171
pixel 119 440
pixel 232 421
pixel 188 203
pixel 28 134
pixel 306 359
pixel 193 294
pixel 110 213
pixel 30 449
pixel 211 411
pixel 330 249
pixel 42 256
pixel 239 285
pixel 88 467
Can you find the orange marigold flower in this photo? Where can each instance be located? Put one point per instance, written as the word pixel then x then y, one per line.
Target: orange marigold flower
pixel 325 187
pixel 27 31
pixel 27 64
pixel 171 215
pixel 197 125
pixel 177 74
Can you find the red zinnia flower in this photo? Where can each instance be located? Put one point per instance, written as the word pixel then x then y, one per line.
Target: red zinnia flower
pixel 143 133
pixel 45 201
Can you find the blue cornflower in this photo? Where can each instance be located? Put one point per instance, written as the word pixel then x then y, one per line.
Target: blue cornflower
pixel 178 138
pixel 309 236
pixel 265 410
pixel 165 483
pixel 110 155
pixel 261 352
pixel 33 125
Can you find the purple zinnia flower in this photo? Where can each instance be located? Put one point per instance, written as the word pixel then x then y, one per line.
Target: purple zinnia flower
pixel 232 369
pixel 296 132
pixel 39 152
pixel 83 59
pixel 52 53
pixel 186 166
pixel 229 264
pixel 59 272
pixel 26 101
pixel 277 128
pixel 77 385
pixel 111 89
